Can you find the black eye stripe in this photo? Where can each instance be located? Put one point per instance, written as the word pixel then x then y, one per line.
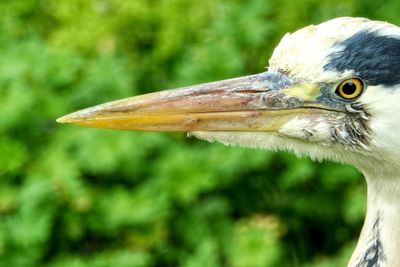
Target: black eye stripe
pixel 371 56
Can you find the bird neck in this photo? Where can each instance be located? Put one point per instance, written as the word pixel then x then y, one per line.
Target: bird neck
pixel 379 242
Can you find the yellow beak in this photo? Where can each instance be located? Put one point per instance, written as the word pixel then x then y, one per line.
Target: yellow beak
pixel 262 102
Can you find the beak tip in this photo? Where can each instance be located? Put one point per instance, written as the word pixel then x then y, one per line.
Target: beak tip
pixel 63 119
pixel 70 118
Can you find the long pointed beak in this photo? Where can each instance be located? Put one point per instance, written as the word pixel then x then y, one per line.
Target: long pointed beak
pixel 262 102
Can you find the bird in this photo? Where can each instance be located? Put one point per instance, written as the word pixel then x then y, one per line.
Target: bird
pixel 330 92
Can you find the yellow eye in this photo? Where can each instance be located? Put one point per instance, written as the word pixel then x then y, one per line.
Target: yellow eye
pixel 350 89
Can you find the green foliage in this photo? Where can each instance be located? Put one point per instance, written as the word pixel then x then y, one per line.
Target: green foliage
pixel 83 197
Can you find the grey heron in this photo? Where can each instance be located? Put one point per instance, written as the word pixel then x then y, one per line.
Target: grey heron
pixel 331 91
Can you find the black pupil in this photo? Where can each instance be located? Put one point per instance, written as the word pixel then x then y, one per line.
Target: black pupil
pixel 349 88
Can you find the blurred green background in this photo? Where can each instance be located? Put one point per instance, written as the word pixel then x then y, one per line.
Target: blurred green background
pixel 76 197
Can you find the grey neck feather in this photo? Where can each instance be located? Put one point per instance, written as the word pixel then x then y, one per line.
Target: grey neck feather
pixel 379 242
pixel 374 254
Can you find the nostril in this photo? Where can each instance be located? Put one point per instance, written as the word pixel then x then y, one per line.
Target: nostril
pixel 251 91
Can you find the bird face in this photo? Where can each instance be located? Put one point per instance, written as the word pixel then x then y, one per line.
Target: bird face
pixel 328 92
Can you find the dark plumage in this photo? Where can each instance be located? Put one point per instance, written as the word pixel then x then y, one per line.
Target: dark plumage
pixel 374 57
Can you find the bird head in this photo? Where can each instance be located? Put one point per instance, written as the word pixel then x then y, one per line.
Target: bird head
pixel 330 92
